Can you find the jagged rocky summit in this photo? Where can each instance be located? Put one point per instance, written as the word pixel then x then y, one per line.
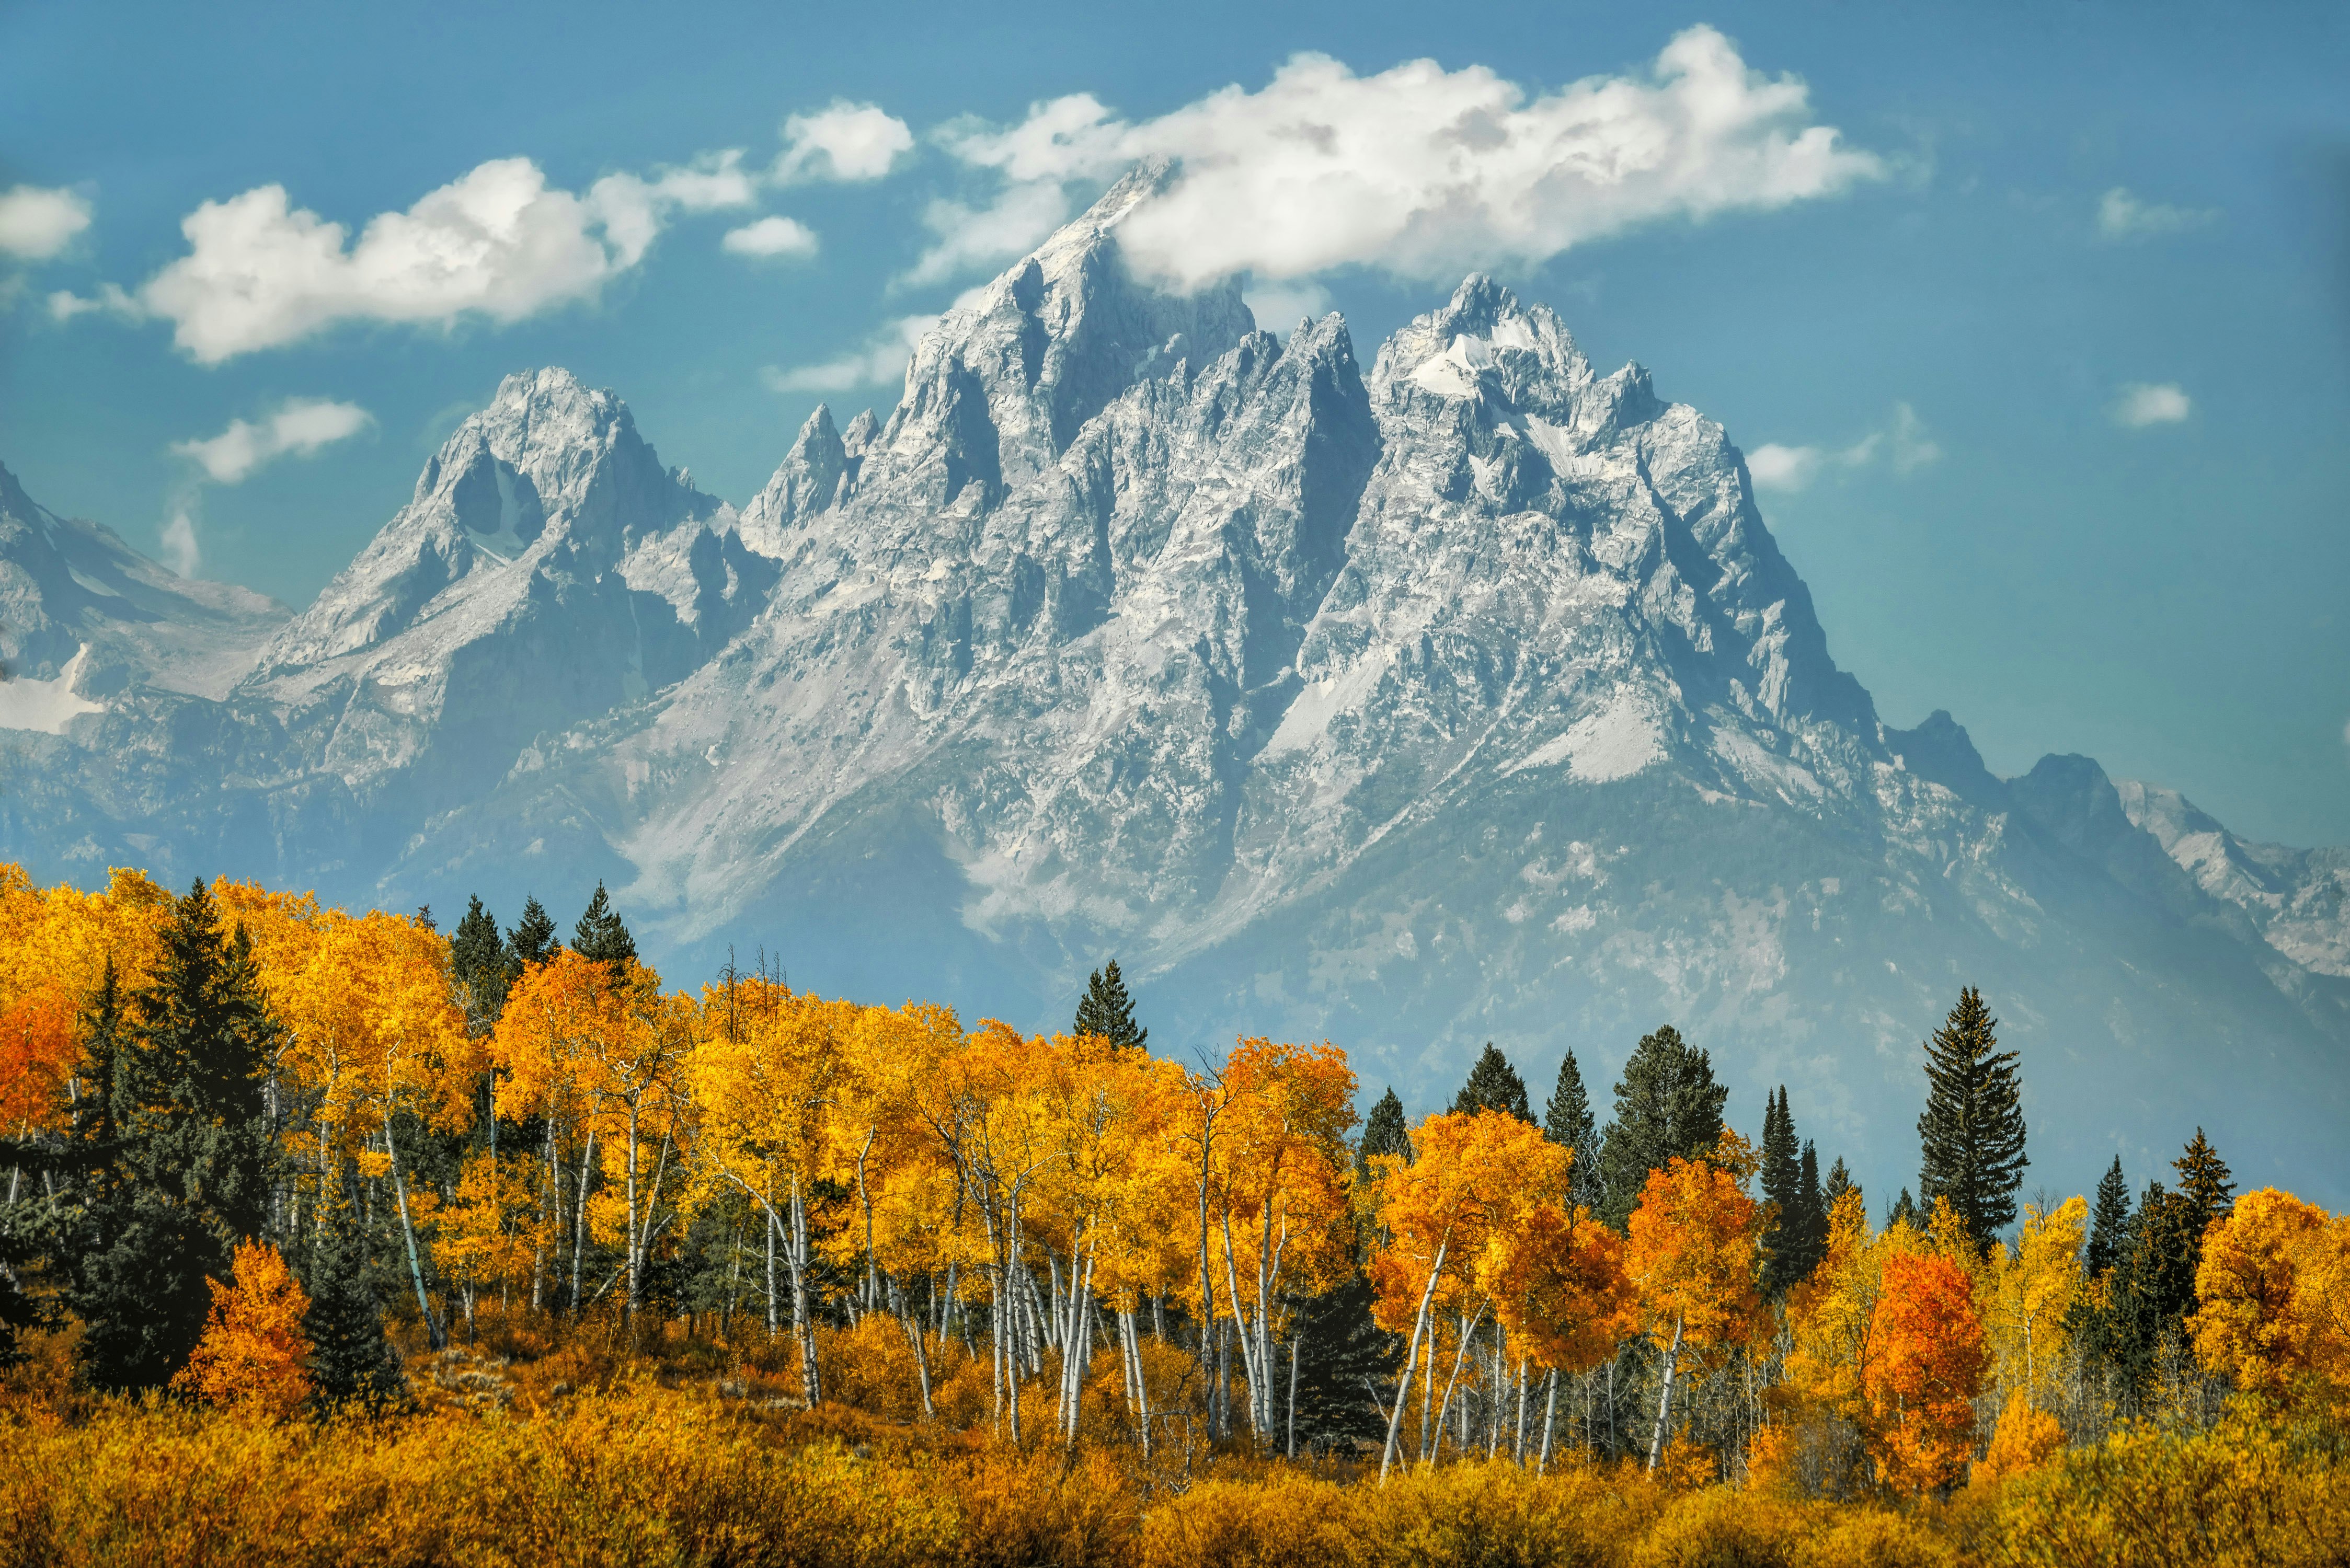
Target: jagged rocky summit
pixel 1466 697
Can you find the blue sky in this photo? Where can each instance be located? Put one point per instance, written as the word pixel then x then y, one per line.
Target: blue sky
pixel 2051 376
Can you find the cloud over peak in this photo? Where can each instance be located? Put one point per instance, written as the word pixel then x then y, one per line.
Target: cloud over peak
pixel 842 141
pixel 1419 171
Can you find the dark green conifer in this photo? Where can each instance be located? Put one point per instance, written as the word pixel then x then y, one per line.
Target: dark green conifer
pixel 2205 1180
pixel 531 940
pixel 184 1174
pixel 1812 1215
pixel 1107 1010
pixel 601 934
pixel 1903 1212
pixel 1839 1182
pixel 1342 1357
pixel 1383 1133
pixel 2109 1221
pixel 1972 1129
pixel 1494 1086
pixel 1666 1104
pixel 352 1364
pixel 478 957
pixel 1783 1184
pixel 1567 1121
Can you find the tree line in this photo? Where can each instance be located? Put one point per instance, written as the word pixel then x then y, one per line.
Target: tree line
pixel 243 1130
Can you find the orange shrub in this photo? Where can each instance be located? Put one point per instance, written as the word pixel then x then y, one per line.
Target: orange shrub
pixel 252 1348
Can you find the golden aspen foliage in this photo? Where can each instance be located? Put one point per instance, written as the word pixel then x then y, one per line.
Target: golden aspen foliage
pixel 252 1352
pixel 2027 1438
pixel 1926 1371
pixel 2028 1293
pixel 54 945
pixel 2274 1288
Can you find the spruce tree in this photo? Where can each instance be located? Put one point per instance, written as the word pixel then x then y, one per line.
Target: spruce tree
pixel 1567 1121
pixel 601 934
pixel 2109 1221
pixel 1342 1356
pixel 1494 1086
pixel 2153 1288
pixel 477 957
pixel 2205 1180
pixel 1812 1214
pixel 1972 1129
pixel 1107 1010
pixel 1383 1133
pixel 531 940
pixel 1903 1212
pixel 1668 1105
pixel 183 1174
pixel 352 1364
pixel 1839 1182
pixel 1782 1183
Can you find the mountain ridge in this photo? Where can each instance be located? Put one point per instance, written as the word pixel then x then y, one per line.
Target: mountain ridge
pixel 1469 696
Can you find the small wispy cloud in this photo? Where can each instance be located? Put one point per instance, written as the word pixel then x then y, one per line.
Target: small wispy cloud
pixel 882 360
pixel 37 224
pixel 2143 403
pixel 179 538
pixel 770 238
pixel 299 426
pixel 2123 216
pixel 1904 444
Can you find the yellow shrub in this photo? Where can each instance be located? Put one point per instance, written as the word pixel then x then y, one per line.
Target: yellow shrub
pixel 2026 1440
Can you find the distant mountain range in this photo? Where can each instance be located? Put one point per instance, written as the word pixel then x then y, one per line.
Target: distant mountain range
pixel 1464 698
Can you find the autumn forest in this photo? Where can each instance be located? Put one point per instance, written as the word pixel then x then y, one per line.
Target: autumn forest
pixel 333 1236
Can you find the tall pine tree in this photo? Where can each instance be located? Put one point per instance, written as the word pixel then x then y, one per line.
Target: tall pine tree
pixel 601 934
pixel 1782 1185
pixel 1568 1122
pixel 1812 1214
pixel 1839 1182
pixel 1383 1133
pixel 1973 1130
pixel 531 940
pixel 2109 1221
pixel 1107 1010
pixel 2205 1180
pixel 181 1172
pixel 352 1364
pixel 1666 1104
pixel 1494 1086
pixel 477 957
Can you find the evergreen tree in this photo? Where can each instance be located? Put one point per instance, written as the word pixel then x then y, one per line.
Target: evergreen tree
pixel 1383 1133
pixel 1903 1212
pixel 2153 1289
pixel 182 1171
pixel 1811 1213
pixel 1567 1121
pixel 1972 1129
pixel 352 1364
pixel 1668 1105
pixel 1342 1357
pixel 1107 1010
pixel 2205 1180
pixel 1839 1182
pixel 1494 1086
pixel 1782 1185
pixel 531 940
pixel 2109 1221
pixel 601 934
pixel 478 957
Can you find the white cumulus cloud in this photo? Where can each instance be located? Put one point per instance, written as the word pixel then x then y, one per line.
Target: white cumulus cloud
pixel 499 242
pixel 1420 171
pixel 1788 468
pixel 2122 216
pixel 969 237
pixel 2151 403
pixel 299 426
pixel 1278 306
pixel 769 237
pixel 842 141
pixel 37 224
pixel 880 360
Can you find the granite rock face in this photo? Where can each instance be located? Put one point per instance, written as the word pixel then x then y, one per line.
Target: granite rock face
pixel 1463 697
